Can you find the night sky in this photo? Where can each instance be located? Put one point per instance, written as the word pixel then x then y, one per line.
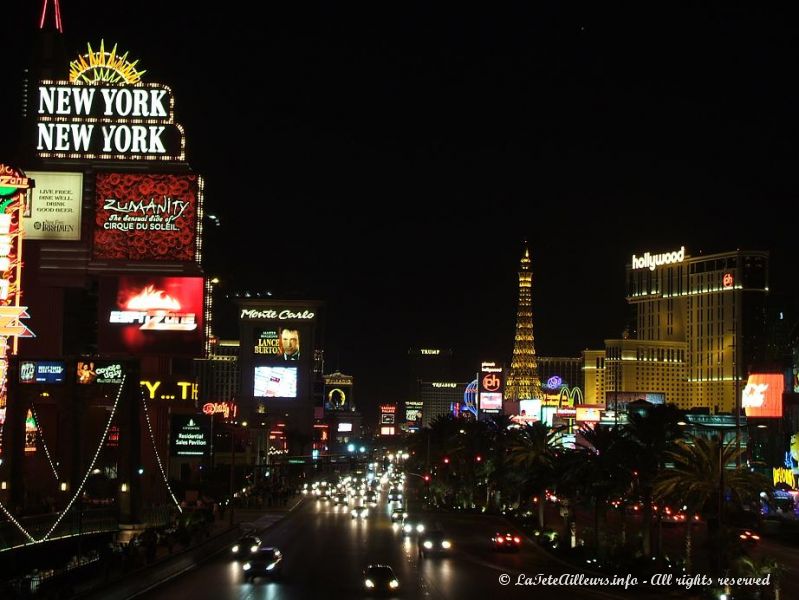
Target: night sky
pixel 395 156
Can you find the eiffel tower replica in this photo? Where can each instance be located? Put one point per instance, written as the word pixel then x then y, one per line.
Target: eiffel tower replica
pixel 523 382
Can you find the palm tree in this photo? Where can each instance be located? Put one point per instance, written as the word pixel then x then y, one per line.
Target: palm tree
pixel 700 480
pixel 653 432
pixel 531 449
pixel 601 469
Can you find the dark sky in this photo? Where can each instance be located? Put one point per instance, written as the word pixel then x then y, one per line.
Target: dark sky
pixel 390 158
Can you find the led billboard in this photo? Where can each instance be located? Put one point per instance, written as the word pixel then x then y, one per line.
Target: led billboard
pixel 146 216
pixel 275 382
pixel 42 371
pixel 762 396
pixel 91 371
pixel 151 315
pixel 490 401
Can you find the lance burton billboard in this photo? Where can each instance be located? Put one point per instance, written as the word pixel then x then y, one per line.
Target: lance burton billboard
pixel 151 315
pixel 143 216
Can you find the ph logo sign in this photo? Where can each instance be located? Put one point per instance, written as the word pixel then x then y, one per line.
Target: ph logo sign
pixel 491 382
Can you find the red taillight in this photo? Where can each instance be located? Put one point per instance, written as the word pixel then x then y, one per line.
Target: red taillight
pixel 500 540
pixel 742 536
pixel 755 537
pixel 517 540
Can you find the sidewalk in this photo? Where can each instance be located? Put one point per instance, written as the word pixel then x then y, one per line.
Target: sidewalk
pixel 119 584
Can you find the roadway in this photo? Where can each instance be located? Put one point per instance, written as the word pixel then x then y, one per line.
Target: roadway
pixel 325 552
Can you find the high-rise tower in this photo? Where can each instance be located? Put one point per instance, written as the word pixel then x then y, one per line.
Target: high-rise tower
pixel 523 381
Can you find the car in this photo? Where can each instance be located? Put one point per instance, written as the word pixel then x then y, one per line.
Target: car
pixel 748 537
pixel 371 498
pixel 394 495
pixel 506 541
pixel 380 578
pixel 359 512
pixel 398 515
pixel 246 546
pixel 412 526
pixel 433 542
pixel 341 499
pixel 266 562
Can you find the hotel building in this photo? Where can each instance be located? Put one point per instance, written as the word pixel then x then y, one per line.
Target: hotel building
pixel 700 324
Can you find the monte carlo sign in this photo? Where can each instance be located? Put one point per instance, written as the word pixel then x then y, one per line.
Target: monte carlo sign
pixel 104 111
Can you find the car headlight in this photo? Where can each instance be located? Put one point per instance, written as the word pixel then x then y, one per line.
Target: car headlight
pixel 271 566
pixel 369 583
pixel 278 553
pixel 393 584
pixel 428 544
pixel 404 515
pixel 246 566
pixel 420 528
pixel 254 548
pixel 446 544
pixel 235 548
pixel 407 528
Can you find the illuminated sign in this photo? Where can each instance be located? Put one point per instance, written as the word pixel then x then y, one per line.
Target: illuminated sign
pixel 53 211
pixel 344 427
pixel 104 112
pixel 490 401
pixel 267 341
pixel 336 399
pixel 89 371
pixel 783 475
pixel 413 415
pixel 554 382
pixel 728 280
pixel 443 384
pixel 13 187
pixel 430 351
pixel 413 411
pixel 113 437
pixel 529 411
pixel 386 431
pixel 587 413
pixel 491 387
pixel 101 66
pixel 42 371
pixel 387 419
pixel 653 261
pixel 80 121
pixel 170 390
pixel 275 382
pixel 250 313
pixel 152 315
pixel 189 436
pixel 330 380
pixel 147 216
pixel 762 396
pixel 31 431
pixel 227 409
pixel 388 408
pixel 491 382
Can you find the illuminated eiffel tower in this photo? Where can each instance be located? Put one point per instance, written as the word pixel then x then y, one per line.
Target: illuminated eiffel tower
pixel 523 381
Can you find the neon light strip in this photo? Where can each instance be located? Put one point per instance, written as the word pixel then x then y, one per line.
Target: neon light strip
pixel 41 437
pixel 155 449
pixel 91 464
